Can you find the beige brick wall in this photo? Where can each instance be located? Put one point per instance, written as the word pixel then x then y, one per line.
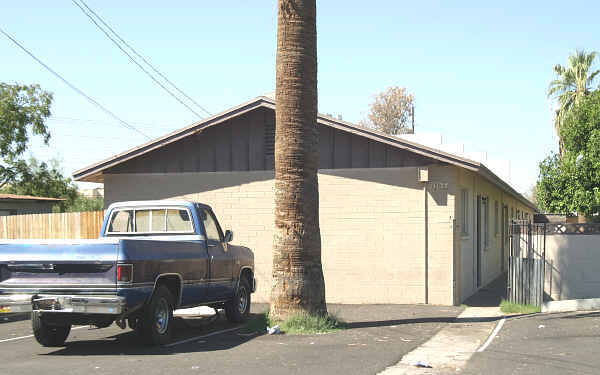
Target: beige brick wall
pixel 372 226
pixel 491 261
pixel 441 236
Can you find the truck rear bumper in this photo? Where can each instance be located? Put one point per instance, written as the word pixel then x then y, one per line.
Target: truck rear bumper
pixel 16 303
pixel 62 303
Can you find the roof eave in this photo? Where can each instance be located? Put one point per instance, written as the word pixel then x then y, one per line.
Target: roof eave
pixel 93 173
pixel 492 177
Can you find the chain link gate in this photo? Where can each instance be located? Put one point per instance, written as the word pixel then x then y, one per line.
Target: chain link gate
pixel 526 263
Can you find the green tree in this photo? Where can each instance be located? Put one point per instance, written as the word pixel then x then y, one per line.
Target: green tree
pixel 298 283
pixel 571 183
pixel 573 83
pixel 81 204
pixel 23 111
pixel 391 111
pixel 42 180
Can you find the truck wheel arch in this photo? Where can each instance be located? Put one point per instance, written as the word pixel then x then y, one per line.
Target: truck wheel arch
pixel 248 274
pixel 173 281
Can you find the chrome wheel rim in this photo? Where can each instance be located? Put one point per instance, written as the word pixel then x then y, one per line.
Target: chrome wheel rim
pixel 243 299
pixel 162 316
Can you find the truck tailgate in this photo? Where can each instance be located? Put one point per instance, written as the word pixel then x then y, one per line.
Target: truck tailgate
pixel 78 266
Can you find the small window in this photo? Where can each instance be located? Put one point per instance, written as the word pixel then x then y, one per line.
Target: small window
pixel 496 219
pixel 122 222
pixel 157 220
pixel 142 221
pixel 464 223
pixel 179 221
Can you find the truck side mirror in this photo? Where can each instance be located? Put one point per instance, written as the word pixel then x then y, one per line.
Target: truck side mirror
pixel 228 236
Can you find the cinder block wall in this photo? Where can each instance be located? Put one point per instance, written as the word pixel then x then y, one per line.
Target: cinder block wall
pixel 466 244
pixel 372 226
pixel 572 266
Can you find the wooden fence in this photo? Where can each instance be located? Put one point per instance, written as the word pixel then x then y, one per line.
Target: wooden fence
pixel 46 226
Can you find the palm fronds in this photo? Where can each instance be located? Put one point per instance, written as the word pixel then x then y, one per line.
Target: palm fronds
pixel 574 82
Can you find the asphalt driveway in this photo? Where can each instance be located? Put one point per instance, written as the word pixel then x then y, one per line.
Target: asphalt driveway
pixel 377 337
pixel 549 344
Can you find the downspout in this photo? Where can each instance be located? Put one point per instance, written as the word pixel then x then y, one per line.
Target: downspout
pixel 426 245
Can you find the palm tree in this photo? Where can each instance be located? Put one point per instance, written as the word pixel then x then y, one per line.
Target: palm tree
pixel 298 284
pixel 573 83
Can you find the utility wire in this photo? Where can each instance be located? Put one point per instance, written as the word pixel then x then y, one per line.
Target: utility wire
pixel 143 125
pixel 134 61
pixel 72 86
pixel 143 59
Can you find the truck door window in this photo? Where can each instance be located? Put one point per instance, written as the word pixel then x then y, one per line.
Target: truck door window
pixel 212 231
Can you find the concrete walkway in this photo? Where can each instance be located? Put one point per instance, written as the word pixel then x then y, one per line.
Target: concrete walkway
pixel 449 350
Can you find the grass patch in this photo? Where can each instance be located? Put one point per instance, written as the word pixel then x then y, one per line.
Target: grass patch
pixel 515 308
pixel 299 324
pixel 305 324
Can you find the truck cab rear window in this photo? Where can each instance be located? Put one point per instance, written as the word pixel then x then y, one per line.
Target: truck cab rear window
pixel 155 220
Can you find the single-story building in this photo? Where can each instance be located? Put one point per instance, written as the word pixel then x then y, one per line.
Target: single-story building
pixel 13 204
pixel 400 222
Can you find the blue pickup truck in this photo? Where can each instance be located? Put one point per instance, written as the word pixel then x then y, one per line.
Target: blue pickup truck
pixel 152 257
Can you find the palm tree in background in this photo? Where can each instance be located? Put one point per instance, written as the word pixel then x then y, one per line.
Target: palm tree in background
pixel 298 284
pixel 574 82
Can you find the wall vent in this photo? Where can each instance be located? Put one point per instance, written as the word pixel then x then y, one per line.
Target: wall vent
pixel 270 143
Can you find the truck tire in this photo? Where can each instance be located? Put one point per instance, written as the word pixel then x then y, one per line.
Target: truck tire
pixel 135 323
pixel 48 335
pixel 237 309
pixel 157 321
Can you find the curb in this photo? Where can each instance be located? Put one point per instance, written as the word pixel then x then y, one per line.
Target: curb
pixel 571 305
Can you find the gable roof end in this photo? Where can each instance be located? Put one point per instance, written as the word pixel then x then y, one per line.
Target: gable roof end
pixel 93 173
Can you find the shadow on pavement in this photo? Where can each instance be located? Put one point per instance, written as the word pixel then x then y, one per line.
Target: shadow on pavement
pixel 129 342
pixel 9 318
pixel 490 295
pixel 388 323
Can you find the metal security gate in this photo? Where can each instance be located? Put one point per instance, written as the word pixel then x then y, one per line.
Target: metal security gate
pixel 526 263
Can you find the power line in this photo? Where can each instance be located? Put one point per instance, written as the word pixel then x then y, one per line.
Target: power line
pixel 135 62
pixel 72 86
pixel 143 59
pixel 62 120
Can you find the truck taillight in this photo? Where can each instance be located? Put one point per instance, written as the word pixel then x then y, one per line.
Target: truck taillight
pixel 125 273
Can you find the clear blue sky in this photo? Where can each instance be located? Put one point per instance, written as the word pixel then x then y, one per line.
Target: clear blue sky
pixel 479 72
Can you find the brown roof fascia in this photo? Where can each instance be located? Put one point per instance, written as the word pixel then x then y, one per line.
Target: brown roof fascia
pixel 17 197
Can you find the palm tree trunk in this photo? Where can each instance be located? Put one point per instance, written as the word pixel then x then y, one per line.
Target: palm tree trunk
pixel 298 284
